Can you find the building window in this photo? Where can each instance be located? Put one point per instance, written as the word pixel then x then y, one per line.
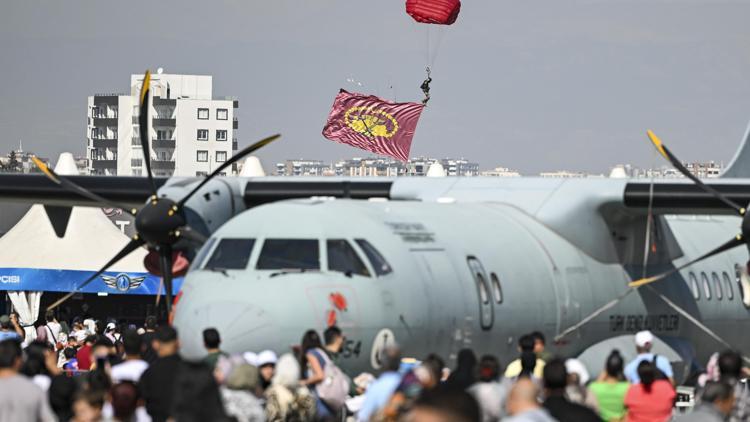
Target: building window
pixel 221 156
pixel 202 156
pixel 222 114
pixel 221 135
pixel 203 134
pixel 201 173
pixel 202 114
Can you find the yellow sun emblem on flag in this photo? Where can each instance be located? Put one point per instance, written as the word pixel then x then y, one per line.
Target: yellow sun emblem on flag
pixel 370 122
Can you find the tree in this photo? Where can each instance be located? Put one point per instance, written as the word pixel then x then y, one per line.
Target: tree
pixel 12 165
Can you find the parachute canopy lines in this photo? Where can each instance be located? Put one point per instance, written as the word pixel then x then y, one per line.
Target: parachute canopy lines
pixel 439 12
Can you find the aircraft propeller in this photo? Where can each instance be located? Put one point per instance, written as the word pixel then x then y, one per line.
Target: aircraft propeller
pixel 160 222
pixel 739 239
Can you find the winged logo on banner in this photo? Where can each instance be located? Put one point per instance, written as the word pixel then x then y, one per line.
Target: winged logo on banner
pixel 122 282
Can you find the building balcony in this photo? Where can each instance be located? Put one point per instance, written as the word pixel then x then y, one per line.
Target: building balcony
pixel 105 121
pixel 163 143
pixel 162 165
pixel 104 164
pixel 106 99
pixel 158 101
pixel 104 142
pixel 165 122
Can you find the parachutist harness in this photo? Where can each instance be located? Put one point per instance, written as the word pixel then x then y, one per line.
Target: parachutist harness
pixel 426 87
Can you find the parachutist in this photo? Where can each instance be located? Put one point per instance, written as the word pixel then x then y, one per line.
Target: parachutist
pixel 426 87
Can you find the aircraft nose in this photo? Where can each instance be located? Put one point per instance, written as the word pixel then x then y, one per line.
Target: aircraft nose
pixel 242 326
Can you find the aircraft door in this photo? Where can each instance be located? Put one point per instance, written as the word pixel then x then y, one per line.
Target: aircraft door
pixel 486 310
pixel 444 300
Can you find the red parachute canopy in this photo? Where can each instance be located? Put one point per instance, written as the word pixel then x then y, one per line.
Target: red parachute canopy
pixel 443 12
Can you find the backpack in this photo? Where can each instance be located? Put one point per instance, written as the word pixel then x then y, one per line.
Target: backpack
pixel 334 388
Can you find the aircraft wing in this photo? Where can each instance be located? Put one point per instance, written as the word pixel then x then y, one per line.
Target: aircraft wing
pixel 129 190
pixel 685 198
pixel 672 196
pixel 37 189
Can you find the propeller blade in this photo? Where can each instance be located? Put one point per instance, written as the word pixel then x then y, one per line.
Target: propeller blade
pixel 666 153
pixel 71 186
pixel 134 244
pixel 736 241
pixel 236 157
pixel 593 315
pixel 187 233
pixel 143 128
pixel 165 262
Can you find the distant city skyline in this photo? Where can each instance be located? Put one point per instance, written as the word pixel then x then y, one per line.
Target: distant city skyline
pixel 540 85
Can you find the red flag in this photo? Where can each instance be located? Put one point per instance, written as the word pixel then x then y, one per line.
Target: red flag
pixel 373 124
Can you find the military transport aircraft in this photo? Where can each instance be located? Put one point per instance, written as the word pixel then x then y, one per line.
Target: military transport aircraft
pixel 437 264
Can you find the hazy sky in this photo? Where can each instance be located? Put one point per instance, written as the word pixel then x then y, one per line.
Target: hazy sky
pixel 529 84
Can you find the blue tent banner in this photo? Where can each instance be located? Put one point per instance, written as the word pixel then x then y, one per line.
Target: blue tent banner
pixel 130 283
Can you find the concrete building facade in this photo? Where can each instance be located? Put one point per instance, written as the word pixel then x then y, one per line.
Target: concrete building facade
pixel 190 131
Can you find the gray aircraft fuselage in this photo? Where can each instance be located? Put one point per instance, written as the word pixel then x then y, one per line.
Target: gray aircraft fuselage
pixel 471 262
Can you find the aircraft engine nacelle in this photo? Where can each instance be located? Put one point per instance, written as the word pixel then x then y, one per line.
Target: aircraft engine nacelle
pixel 217 202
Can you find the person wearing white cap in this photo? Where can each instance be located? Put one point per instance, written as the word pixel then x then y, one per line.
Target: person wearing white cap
pixel 266 363
pixel 251 358
pixel 644 340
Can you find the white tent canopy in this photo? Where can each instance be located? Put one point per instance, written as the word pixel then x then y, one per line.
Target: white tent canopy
pixel 89 242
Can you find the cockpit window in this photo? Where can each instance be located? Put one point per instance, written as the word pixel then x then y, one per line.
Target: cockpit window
pixel 201 256
pixel 289 254
pixel 343 258
pixel 379 264
pixel 231 254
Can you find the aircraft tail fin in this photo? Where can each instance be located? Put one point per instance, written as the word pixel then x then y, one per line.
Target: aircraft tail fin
pixel 739 167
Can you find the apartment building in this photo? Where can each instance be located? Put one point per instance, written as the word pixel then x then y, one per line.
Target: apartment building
pixel 369 167
pixel 190 131
pixel 303 167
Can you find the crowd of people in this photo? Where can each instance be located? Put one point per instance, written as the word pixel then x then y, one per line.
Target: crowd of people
pixel 86 371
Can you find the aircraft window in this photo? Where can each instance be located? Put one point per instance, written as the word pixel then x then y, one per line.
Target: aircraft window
pixel 497 291
pixel 694 286
pixel 717 286
pixel 231 254
pixel 379 264
pixel 201 256
pixel 483 295
pixel 706 286
pixel 287 254
pixel 728 286
pixel 343 258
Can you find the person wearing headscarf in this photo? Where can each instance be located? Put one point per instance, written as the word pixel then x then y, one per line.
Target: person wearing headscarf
pixel 464 376
pixel 239 394
pixel 286 398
